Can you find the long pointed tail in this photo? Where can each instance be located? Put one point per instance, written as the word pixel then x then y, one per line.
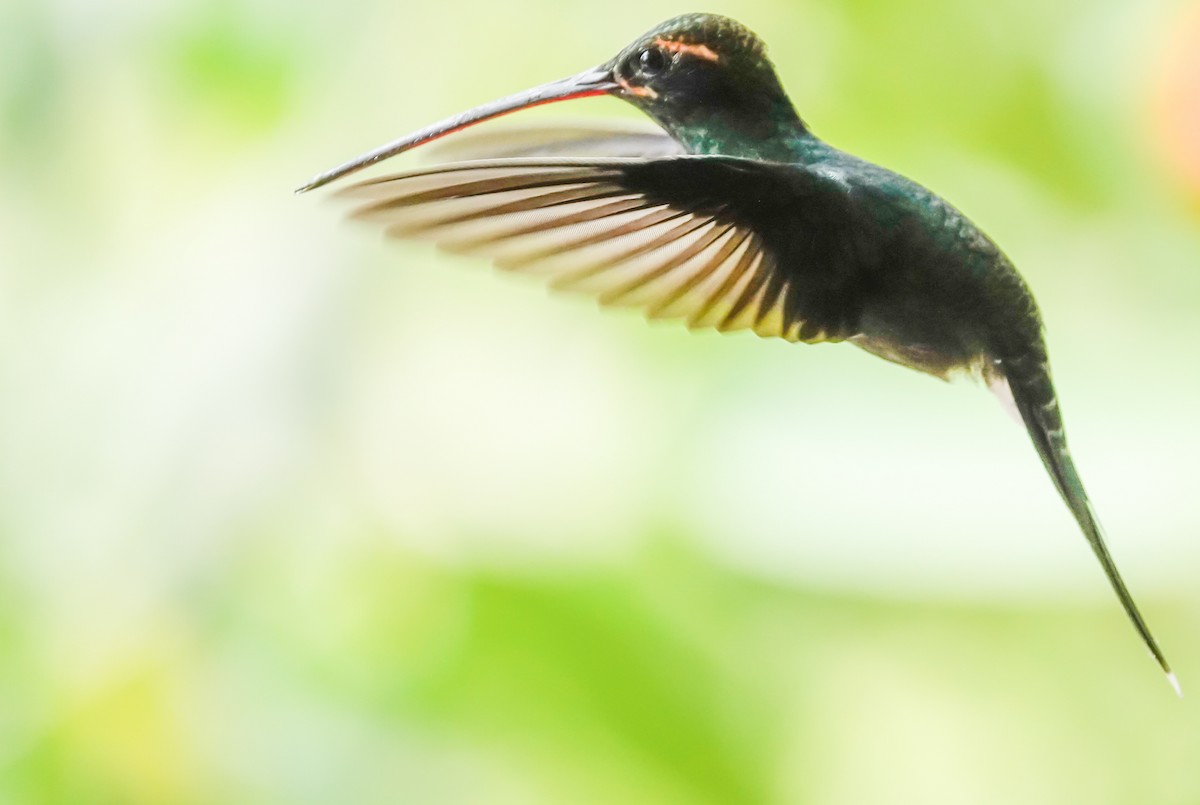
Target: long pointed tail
pixel 1033 392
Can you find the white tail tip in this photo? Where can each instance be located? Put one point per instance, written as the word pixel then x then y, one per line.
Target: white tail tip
pixel 1175 684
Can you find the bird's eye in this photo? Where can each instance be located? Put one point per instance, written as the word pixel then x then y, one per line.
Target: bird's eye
pixel 651 62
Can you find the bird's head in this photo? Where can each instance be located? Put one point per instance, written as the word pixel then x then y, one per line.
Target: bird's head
pixel 701 76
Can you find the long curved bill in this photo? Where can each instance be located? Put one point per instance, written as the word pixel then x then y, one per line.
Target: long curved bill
pixel 596 81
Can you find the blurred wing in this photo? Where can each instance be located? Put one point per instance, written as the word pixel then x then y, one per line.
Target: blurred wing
pixel 553 141
pixel 588 226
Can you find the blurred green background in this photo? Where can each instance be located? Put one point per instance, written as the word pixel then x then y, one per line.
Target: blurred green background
pixel 288 515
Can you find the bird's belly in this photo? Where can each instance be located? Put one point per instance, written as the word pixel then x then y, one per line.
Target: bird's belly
pixel 920 338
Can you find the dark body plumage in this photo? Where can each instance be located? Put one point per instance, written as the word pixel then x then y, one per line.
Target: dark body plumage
pixel 738 217
pixel 864 255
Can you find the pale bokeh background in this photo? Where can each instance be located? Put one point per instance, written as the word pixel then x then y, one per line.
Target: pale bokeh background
pixel 290 515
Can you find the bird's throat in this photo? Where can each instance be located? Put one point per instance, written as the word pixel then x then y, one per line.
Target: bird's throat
pixel 777 136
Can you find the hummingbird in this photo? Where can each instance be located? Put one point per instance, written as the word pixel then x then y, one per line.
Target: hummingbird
pixel 733 215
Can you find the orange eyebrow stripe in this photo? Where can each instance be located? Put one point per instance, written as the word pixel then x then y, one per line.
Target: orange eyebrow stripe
pixel 641 92
pixel 699 51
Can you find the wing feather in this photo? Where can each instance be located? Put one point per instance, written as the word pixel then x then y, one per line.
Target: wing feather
pixel 646 289
pixel 680 301
pixel 730 282
pixel 581 225
pixel 579 140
